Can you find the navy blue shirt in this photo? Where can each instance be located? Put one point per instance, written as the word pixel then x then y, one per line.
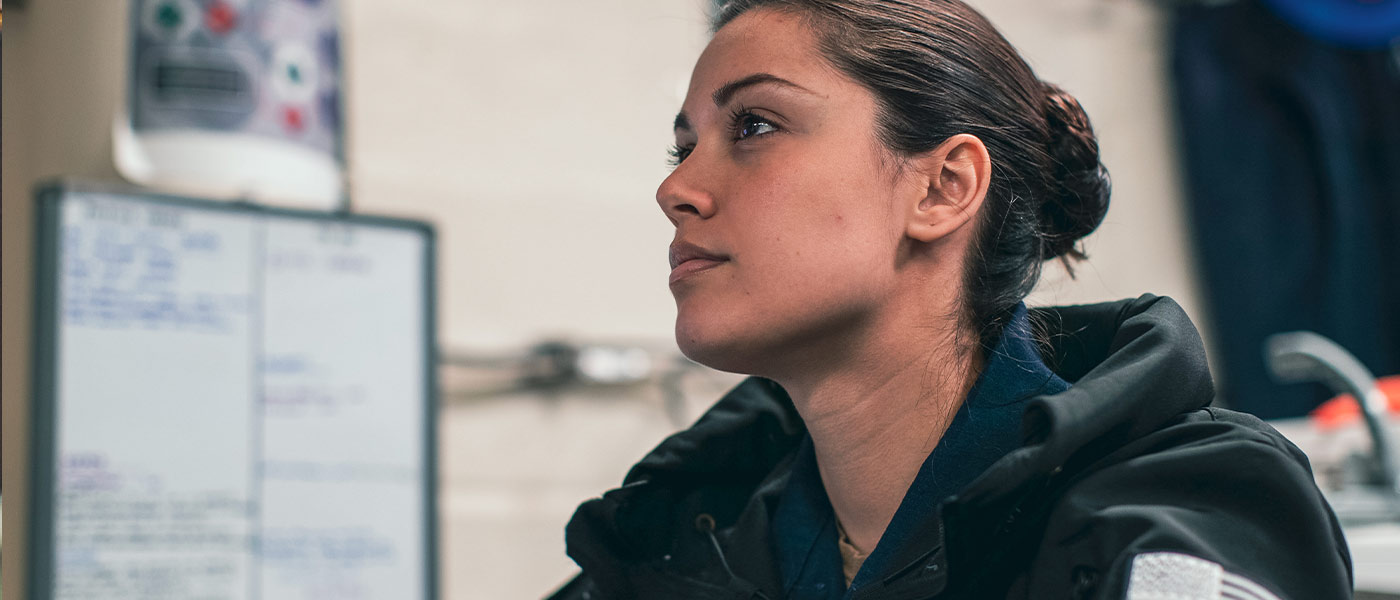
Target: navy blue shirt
pixel 986 427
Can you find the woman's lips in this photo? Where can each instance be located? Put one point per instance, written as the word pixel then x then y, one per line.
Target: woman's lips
pixel 688 258
pixel 693 266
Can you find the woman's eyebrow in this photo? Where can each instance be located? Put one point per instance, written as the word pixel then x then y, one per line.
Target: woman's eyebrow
pixel 726 92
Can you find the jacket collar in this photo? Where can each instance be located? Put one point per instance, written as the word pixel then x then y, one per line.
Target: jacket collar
pixel 984 428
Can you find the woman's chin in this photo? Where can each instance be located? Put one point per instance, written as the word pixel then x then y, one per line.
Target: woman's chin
pixel 712 348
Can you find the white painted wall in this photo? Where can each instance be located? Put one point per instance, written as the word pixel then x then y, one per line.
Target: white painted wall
pixel 532 133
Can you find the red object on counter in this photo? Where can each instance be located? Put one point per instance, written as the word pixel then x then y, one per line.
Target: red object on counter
pixel 1344 410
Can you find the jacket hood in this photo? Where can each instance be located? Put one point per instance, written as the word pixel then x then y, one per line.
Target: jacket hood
pixel 1133 365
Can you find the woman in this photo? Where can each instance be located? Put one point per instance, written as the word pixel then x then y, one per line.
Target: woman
pixel 864 192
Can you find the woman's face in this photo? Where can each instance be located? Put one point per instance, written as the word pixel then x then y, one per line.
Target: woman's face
pixel 784 202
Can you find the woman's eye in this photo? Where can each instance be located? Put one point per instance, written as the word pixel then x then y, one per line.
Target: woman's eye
pixel 749 125
pixel 746 125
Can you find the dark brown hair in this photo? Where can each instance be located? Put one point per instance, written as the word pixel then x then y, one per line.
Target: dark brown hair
pixel 938 68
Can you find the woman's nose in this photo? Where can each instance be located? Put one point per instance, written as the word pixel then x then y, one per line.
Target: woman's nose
pixel 681 196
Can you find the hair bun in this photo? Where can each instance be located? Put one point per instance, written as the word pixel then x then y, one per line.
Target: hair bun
pixel 1079 183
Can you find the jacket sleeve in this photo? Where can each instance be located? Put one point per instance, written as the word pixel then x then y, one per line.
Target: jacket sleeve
pixel 1217 506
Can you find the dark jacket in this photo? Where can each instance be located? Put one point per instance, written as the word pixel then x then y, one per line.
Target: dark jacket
pixel 1129 479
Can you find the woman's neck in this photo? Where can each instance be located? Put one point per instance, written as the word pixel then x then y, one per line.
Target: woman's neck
pixel 874 421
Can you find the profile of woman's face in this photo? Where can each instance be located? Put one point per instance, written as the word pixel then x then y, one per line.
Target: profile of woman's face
pixel 785 193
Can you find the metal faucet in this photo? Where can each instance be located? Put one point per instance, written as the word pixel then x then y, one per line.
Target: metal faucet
pixel 1306 357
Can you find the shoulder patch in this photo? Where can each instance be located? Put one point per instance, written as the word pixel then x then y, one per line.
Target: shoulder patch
pixel 1177 576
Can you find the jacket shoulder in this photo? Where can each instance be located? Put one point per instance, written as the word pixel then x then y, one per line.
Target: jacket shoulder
pixel 1212 498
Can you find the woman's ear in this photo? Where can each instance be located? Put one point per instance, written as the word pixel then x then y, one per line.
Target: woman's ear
pixel 954 178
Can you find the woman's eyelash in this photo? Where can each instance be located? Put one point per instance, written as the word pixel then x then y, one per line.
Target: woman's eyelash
pixel 677 155
pixel 740 117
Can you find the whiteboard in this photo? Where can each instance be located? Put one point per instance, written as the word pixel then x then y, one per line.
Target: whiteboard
pixel 232 401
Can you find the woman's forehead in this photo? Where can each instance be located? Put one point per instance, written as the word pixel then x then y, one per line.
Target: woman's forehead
pixel 759 41
pixel 764 43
